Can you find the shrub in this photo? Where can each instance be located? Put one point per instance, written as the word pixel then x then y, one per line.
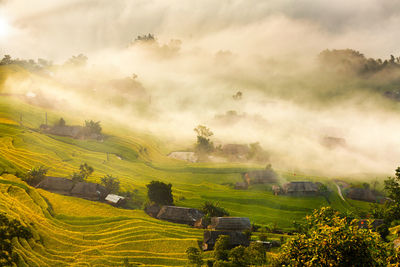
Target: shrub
pixel 160 193
pixel 213 210
pixel 110 183
pixel 194 256
pixel 36 175
pixel 331 240
pixel 10 229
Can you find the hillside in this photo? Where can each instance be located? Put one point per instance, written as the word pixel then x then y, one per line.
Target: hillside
pixel 74 232
pixel 105 236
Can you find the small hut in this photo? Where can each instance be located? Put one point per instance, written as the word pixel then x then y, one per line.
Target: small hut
pixel 230 223
pixel 115 200
pixel 301 189
pixel 90 191
pixel 260 176
pixel 180 215
pixel 236 238
pixel 362 194
pixel 57 185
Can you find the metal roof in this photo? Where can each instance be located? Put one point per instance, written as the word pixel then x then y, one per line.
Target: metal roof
pixel 113 198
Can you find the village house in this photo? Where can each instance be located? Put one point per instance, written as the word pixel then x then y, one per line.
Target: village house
pixel 57 185
pixel 89 191
pixel 362 194
pixel 64 186
pixel 115 200
pixel 234 227
pixel 301 189
pixel 260 176
pixel 179 214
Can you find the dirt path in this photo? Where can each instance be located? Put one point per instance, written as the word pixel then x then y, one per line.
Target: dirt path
pixel 340 192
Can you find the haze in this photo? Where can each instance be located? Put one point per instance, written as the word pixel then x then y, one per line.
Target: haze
pixel 205 52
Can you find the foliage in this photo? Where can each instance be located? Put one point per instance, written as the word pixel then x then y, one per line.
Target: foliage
pixel 194 256
pixel 256 152
pixel 36 175
pixel 61 122
pixel 263 236
pixel 110 183
pixel 348 61
pixel 331 240
pixel 77 61
pixel 145 38
pixel 203 145
pixel 160 193
pixel 8 230
pixel 211 209
pixel 221 248
pixel 92 127
pixel 84 172
pixel 390 210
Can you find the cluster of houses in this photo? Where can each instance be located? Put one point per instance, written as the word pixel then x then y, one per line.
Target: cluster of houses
pixel 234 227
pixel 89 191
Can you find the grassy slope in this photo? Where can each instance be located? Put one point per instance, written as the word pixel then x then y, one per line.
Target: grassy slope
pixel 192 183
pixel 105 236
pixel 130 232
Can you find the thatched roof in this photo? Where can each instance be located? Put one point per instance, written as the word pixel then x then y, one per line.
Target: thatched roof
pixel 361 194
pixel 261 176
pixel 300 187
pixel 179 214
pixel 89 191
pixel 56 184
pixel 73 131
pixel 235 149
pixel 236 238
pixel 230 223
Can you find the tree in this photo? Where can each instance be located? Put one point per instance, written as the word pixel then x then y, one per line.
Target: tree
pixel 36 175
pixel 10 229
pixel 6 60
pixel 110 183
pixel 332 240
pixel 194 256
pixel 84 172
pixel 77 61
pixel 203 145
pixel 92 127
pixel 390 210
pixel 213 210
pixel 160 193
pixel 61 122
pixel 221 248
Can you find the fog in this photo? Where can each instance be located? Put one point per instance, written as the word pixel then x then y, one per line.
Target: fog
pixel 204 53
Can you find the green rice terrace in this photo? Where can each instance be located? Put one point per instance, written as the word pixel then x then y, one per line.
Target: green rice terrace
pixel 71 231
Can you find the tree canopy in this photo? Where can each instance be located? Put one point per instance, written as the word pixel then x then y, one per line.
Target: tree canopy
pixel 36 175
pixel 331 239
pixel 110 183
pixel 160 193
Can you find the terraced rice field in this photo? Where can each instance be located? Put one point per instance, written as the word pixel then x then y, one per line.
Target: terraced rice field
pixel 101 236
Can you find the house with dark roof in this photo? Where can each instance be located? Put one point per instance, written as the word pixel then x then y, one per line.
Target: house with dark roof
pixel 301 188
pixel 234 227
pixel 236 238
pixel 90 191
pixel 260 176
pixel 179 215
pixel 57 185
pixel 362 194
pixel 230 223
pixel 64 186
